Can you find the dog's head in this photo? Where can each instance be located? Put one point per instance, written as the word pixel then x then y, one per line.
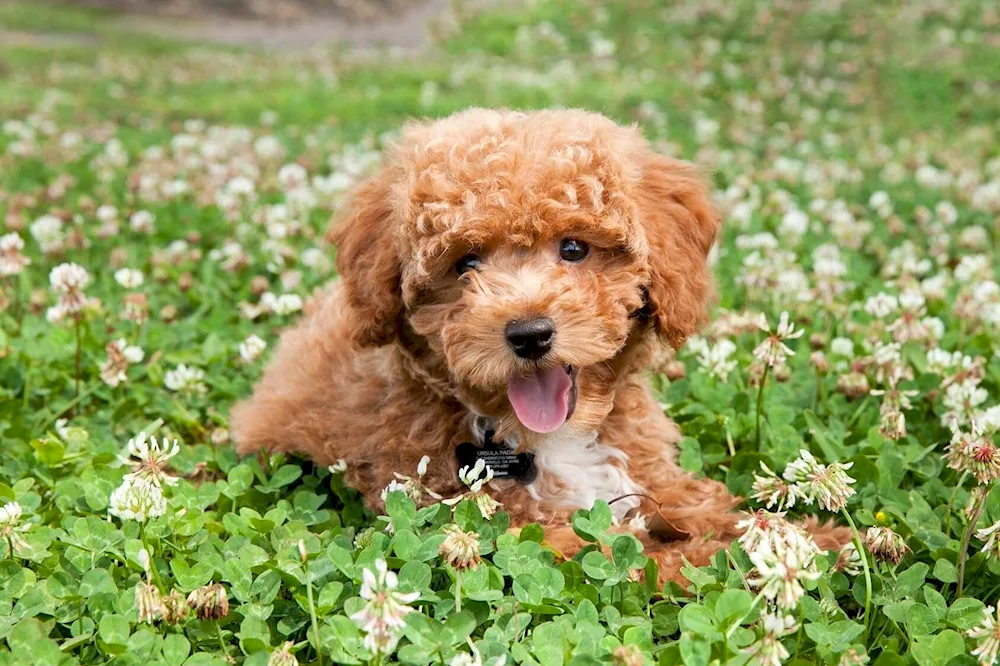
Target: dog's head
pixel 524 255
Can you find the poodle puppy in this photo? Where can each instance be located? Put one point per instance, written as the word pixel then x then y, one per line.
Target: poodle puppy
pixel 504 279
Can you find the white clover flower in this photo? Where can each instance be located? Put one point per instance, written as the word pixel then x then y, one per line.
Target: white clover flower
pixel 962 400
pixel 829 485
pixel 759 241
pixel 854 658
pixel 934 327
pixel 885 545
pixel 292 176
pixel 946 212
pixel 148 458
pixel 474 478
pixel 252 348
pixel 912 300
pixel 849 560
pixel 879 199
pixel 989 535
pixel 705 129
pixel 12 261
pixel 988 634
pixel 842 347
pixel 148 602
pixel 768 651
pixel 283 656
pixel 107 213
pixel 760 526
pixel 69 281
pixel 120 356
pixel 382 617
pixel 280 305
pixel 129 278
pixel 268 148
pixel 466 659
pixel 940 361
pixel 881 305
pixel 187 380
pixel 779 624
pixel 974 238
pixel 137 499
pixel 11 527
pixel 460 549
pixel 974 267
pixel 773 351
pixel 972 452
pixel 48 232
pixel 406 487
pixel 770 490
pixel 315 259
pixel 287 304
pixel 338 467
pixel 935 288
pixel 783 566
pixel 794 223
pixel 241 187
pixel 422 466
pixel 716 359
pixel 142 557
pixel 143 222
pixel 485 503
pixel 989 419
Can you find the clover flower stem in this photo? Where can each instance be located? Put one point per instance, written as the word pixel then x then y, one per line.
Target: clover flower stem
pixel 977 511
pixel 798 634
pixel 863 552
pixel 458 591
pixel 982 565
pixel 26 392
pixel 189 416
pixel 222 642
pixel 152 565
pixel 72 403
pixel 10 547
pixel 857 413
pixel 732 561
pixel 760 402
pixel 76 390
pixel 951 500
pixel 737 625
pixel 312 615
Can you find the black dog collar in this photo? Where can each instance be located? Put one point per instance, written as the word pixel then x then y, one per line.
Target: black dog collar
pixel 504 461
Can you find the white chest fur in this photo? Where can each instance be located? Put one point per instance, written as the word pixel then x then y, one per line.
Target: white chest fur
pixel 575 470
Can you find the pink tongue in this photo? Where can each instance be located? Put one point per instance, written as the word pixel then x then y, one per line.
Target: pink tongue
pixel 541 400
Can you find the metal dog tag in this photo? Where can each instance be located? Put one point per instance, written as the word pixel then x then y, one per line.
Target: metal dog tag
pixel 505 463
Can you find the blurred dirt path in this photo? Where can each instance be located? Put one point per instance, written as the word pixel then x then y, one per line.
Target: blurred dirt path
pixel 408 29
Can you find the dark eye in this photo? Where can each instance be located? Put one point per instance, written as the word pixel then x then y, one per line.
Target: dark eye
pixel 469 262
pixel 573 250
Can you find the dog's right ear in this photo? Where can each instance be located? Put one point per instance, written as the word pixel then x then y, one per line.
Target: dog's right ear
pixel 368 262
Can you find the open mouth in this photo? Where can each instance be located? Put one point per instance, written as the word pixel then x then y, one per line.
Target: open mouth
pixel 544 399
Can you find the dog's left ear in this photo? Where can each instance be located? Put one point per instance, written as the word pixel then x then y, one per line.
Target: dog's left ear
pixel 681 224
pixel 368 262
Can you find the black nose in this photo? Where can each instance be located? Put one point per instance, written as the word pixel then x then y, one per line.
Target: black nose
pixel 531 339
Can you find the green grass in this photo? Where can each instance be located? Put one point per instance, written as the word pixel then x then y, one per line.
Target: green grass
pixel 815 108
